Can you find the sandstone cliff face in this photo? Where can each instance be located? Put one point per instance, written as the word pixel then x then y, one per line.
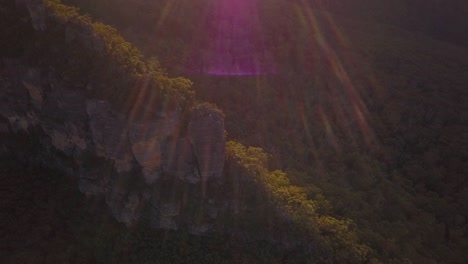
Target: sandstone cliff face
pixel 206 133
pixel 155 165
pixel 147 138
pixel 129 162
pixel 124 161
pixel 109 134
pixel 180 160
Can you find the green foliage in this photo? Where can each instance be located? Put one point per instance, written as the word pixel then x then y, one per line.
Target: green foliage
pixel 205 107
pixel 65 12
pixel 331 239
pixel 115 69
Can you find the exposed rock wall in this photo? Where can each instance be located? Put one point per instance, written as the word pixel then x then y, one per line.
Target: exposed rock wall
pixel 154 164
pixel 206 133
pixel 126 161
pixel 180 160
pixel 109 134
pixel 147 138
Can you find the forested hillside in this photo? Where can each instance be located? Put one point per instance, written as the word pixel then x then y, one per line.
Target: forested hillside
pixel 358 109
pixel 367 104
pixel 68 84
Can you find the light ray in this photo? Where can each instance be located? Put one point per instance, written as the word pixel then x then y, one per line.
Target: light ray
pixel 165 12
pixel 359 110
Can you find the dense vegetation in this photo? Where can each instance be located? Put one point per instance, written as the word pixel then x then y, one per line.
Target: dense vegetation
pixel 325 238
pixel 363 114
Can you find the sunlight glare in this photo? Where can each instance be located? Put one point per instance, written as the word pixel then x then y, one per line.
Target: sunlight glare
pixel 236 46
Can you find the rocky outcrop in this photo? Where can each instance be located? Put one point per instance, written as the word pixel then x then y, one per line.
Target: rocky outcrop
pixel 134 163
pixel 206 133
pixel 110 134
pixel 65 121
pixel 180 160
pixel 155 163
pixel 146 142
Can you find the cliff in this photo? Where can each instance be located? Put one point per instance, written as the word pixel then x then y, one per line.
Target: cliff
pixel 79 100
pixel 129 157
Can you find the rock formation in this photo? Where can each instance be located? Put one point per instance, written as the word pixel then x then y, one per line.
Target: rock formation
pixel 206 133
pixel 147 138
pixel 154 165
pixel 125 161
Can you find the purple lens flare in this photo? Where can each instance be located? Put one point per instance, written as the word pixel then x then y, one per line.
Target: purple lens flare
pixel 235 44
